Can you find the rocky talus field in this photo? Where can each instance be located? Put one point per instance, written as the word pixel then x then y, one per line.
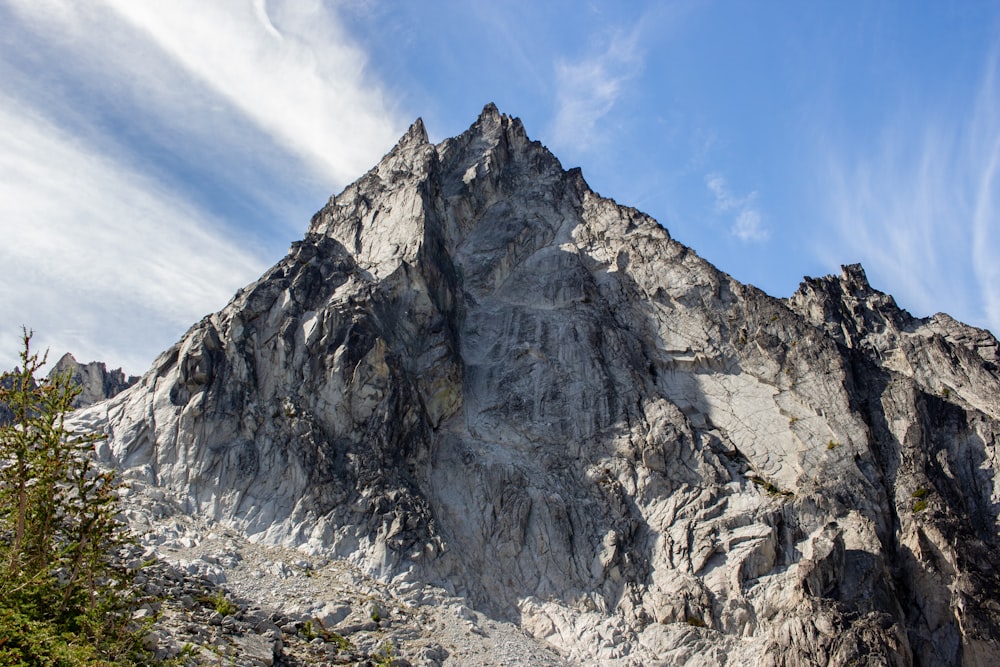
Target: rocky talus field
pixel 481 415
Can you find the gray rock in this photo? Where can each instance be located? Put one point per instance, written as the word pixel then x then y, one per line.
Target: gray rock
pixel 331 614
pixel 476 372
pixel 254 650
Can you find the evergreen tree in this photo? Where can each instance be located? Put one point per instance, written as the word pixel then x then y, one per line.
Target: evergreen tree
pixel 66 595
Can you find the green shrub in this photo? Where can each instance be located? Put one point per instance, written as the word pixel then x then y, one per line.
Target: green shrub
pixel 309 630
pixel 224 605
pixel 385 656
pixel 342 643
pixel 771 489
pixel 313 628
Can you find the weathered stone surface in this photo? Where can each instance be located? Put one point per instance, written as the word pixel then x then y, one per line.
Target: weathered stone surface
pixel 474 371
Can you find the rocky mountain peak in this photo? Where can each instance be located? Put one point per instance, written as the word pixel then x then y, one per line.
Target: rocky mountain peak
pixel 415 135
pixel 477 373
pixel 490 112
pixel 848 308
pixel 493 127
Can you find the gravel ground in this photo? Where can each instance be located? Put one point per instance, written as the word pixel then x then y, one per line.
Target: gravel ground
pixel 225 600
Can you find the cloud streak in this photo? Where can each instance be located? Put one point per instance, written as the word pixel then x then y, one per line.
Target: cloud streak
pixel 748 225
pixel 289 66
pixel 587 89
pixel 983 143
pixel 922 210
pixel 97 256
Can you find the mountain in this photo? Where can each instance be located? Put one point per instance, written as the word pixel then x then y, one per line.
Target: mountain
pixel 475 372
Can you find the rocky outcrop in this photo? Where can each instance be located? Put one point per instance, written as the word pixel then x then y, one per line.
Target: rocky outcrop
pixel 476 372
pixel 944 357
pixel 95 381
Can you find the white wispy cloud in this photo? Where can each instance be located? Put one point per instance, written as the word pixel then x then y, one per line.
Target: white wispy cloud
pixel 88 71
pixel 983 143
pixel 921 209
pixel 288 65
pixel 748 225
pixel 97 257
pixel 588 88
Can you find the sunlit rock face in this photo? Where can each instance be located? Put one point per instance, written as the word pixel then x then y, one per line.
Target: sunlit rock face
pixel 474 371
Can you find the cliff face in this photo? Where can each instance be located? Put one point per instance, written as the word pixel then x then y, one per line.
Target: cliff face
pixel 476 372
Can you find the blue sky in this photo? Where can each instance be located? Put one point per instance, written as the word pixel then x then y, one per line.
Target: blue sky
pixel 156 156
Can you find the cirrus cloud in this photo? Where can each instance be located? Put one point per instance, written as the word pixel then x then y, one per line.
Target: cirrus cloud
pixel 747 224
pixel 921 209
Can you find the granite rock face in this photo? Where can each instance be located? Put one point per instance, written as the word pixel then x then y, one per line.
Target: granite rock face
pixel 476 372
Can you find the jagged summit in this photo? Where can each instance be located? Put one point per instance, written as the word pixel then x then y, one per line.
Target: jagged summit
pixel 476 372
pixel 941 355
pixel 490 110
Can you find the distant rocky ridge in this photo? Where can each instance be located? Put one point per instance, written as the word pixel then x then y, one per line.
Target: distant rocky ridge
pixel 476 373
pixel 95 381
